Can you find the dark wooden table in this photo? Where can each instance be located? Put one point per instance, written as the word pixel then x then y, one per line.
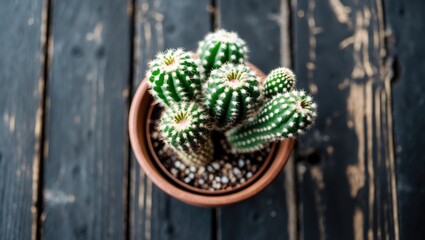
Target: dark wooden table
pixel 68 70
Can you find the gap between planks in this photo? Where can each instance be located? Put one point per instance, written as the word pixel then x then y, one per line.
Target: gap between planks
pixel 40 145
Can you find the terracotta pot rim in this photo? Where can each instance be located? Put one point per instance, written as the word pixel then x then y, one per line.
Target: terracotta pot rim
pixel 141 151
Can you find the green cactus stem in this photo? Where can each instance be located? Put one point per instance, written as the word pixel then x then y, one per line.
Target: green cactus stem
pixel 232 95
pixel 174 77
pixel 280 80
pixel 185 128
pixel 220 47
pixel 285 115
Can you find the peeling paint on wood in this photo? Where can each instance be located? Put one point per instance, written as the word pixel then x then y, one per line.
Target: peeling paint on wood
pixel 20 97
pixel 341 12
pixel 86 135
pixel 351 85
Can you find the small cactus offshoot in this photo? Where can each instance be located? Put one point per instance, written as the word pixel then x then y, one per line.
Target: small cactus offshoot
pixel 220 47
pixel 285 115
pixel 232 94
pixel 185 128
pixel 280 80
pixel 174 77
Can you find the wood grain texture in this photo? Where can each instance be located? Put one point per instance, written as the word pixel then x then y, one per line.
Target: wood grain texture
pixel 21 93
pixel 263 25
pixel 405 24
pixel 346 185
pixel 161 25
pixel 86 131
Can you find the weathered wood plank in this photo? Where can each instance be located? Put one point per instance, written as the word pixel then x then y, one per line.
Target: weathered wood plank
pixel 86 130
pixel 347 186
pixel 21 93
pixel 264 26
pixel 161 25
pixel 405 23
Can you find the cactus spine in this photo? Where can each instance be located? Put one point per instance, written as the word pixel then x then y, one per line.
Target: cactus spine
pixel 174 77
pixel 232 94
pixel 285 115
pixel 280 80
pixel 220 47
pixel 185 128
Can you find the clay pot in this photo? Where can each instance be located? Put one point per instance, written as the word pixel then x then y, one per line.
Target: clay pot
pixel 140 112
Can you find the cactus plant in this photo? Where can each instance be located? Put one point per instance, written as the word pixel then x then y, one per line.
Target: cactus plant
pixel 285 115
pixel 174 77
pixel 232 94
pixel 220 47
pixel 222 91
pixel 280 80
pixel 185 128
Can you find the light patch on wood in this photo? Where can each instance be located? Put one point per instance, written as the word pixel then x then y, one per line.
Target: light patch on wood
pixel 330 150
pixel 370 168
pixel 301 170
pixel 12 122
pixel 152 28
pixel 130 8
pixel 141 197
pixel 356 113
pixel 313 30
pixel 20 170
pixel 282 20
pixel 148 212
pixel 125 92
pixel 313 88
pixel 96 34
pixel 350 124
pixel 159 19
pixel 291 198
pixel 89 76
pixel 344 84
pixel 36 171
pixel 136 58
pixel 144 11
pixel 77 119
pixel 328 121
pixel 148 34
pixel 215 11
pixel 381 35
pixel 55 197
pixel 390 159
pixel 30 21
pixel 147 29
pixel 358 222
pixel 360 41
pixel 317 175
pixel 38 122
pixel 301 13
pixel 342 12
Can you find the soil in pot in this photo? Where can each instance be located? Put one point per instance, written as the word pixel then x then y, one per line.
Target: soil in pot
pixel 226 173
